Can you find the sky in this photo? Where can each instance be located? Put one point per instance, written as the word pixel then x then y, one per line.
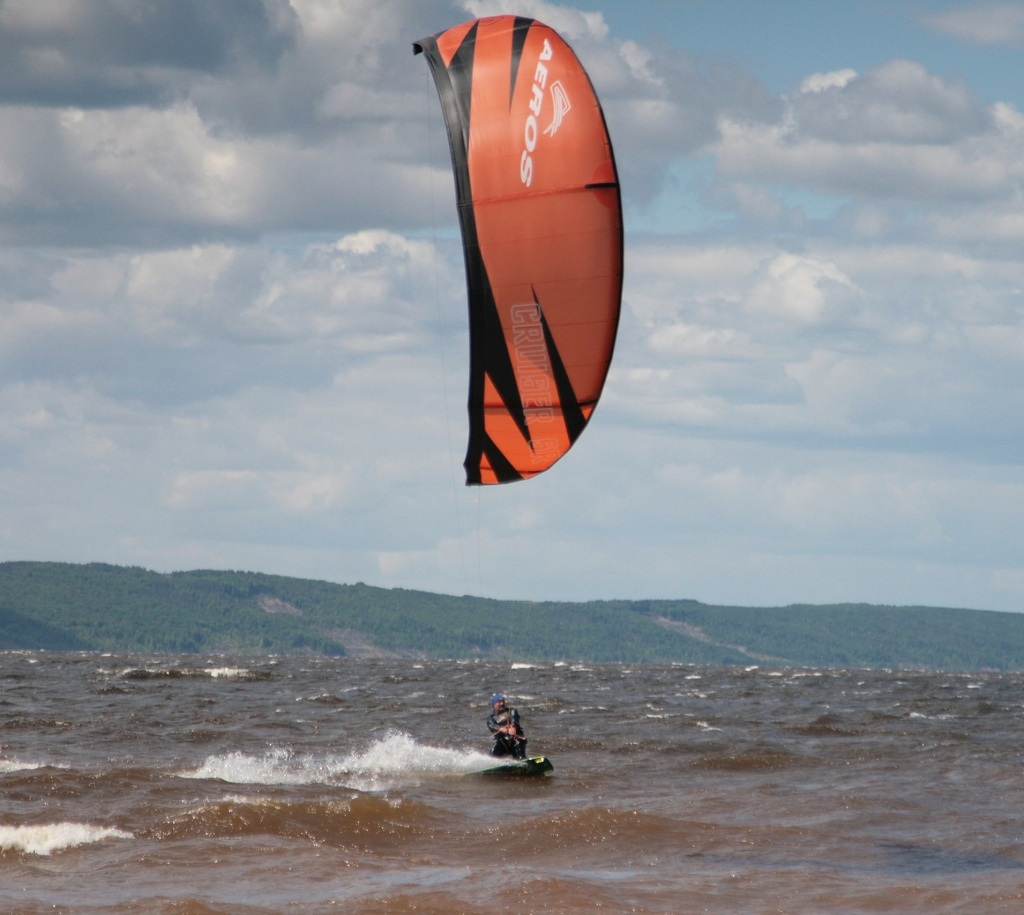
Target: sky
pixel 233 307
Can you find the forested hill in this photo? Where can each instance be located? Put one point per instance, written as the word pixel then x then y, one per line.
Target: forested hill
pixel 57 606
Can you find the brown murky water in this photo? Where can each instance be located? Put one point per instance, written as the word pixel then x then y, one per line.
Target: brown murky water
pixel 135 784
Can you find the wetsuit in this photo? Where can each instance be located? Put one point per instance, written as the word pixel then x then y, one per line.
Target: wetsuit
pixel 506 744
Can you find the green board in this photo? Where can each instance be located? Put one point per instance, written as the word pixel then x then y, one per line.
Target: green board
pixel 536 765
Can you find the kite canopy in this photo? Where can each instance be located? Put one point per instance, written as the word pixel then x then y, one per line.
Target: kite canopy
pixel 541 217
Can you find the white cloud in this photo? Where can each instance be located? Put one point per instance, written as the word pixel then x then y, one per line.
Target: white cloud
pixel 981 23
pixel 896 152
pixel 798 288
pixel 106 172
pixel 896 102
pixel 220 490
pixel 571 23
pixel 901 347
pixel 835 79
pixel 980 168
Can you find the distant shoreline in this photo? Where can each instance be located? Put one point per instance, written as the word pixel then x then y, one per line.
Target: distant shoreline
pixel 99 607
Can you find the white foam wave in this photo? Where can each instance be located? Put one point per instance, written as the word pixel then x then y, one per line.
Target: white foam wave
pixel 17 765
pixel 214 673
pixel 44 840
pixel 399 759
pixel 396 759
pixel 275 767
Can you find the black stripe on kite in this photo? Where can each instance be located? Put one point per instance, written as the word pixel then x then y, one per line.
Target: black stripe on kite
pixel 520 29
pixel 572 414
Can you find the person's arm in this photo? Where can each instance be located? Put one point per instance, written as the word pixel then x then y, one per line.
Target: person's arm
pixel 516 727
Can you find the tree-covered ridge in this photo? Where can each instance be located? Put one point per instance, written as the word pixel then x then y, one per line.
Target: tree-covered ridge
pixel 109 608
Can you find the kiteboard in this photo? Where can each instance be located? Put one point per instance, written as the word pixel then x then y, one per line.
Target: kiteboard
pixel 536 765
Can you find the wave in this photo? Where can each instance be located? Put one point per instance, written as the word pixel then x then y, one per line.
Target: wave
pixel 394 761
pixel 44 840
pixel 214 673
pixel 17 765
pixel 373 825
pixel 370 822
pixel 750 760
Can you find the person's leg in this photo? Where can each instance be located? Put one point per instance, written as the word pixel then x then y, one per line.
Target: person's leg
pixel 501 747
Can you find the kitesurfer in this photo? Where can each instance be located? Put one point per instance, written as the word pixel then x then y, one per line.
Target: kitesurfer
pixel 503 723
